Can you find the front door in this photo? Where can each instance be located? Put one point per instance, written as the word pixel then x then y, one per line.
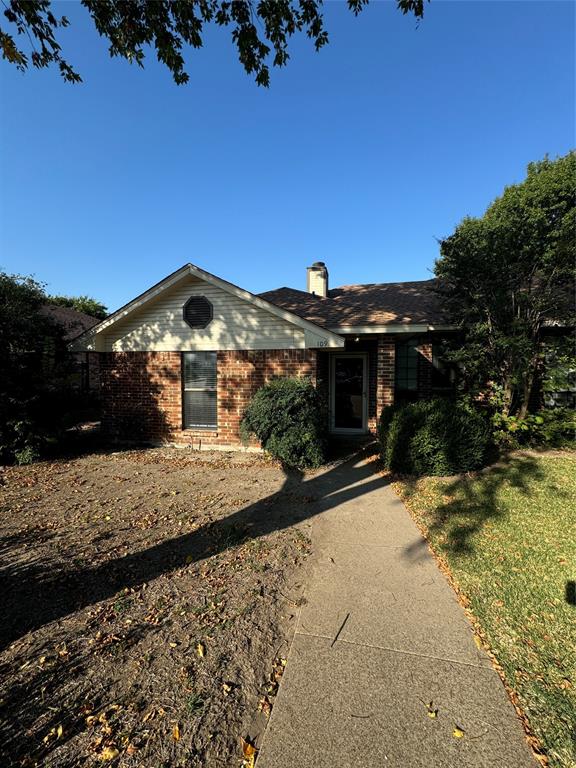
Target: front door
pixel 348 393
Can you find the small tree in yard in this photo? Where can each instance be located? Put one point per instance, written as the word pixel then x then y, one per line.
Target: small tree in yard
pixel 288 418
pixel 506 276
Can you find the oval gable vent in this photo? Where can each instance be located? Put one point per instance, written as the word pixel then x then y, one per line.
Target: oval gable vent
pixel 197 312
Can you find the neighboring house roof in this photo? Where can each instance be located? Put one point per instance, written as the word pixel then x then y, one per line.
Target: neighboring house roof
pixel 73 322
pixel 329 338
pixel 365 306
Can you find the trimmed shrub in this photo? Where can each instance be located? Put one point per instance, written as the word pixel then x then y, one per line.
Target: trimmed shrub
pixel 288 418
pixel 433 437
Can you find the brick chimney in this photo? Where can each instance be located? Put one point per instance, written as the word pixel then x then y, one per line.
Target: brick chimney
pixel 317 279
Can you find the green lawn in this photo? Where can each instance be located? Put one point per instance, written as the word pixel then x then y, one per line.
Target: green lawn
pixel 508 536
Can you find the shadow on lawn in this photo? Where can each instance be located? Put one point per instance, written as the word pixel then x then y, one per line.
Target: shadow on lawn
pixel 36 592
pixel 469 502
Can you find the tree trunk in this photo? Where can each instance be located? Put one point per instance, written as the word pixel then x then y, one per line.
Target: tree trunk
pixel 526 392
pixel 507 397
pixel 528 387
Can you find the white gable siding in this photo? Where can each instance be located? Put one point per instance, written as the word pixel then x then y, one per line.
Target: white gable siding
pixel 158 326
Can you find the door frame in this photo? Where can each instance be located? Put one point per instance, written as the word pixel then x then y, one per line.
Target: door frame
pixel 332 395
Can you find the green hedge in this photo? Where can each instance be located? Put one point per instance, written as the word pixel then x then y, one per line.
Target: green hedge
pixel 433 437
pixel 288 418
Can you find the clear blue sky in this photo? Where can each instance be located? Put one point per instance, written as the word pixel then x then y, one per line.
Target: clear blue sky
pixel 360 156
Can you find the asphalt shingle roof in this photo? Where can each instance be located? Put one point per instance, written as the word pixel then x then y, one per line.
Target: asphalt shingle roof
pixel 361 305
pixel 73 322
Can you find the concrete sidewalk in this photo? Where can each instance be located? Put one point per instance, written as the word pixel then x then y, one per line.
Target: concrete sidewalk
pixel 380 636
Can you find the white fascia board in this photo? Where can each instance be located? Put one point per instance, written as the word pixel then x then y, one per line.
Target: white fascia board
pixel 391 328
pixel 332 339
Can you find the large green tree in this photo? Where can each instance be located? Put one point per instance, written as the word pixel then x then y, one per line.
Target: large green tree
pixel 260 30
pixel 507 277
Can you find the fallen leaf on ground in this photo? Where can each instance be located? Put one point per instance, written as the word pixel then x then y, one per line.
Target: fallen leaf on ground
pixel 176 733
pixel 108 753
pixel 265 706
pixel 249 751
pixel 201 650
pixel 458 733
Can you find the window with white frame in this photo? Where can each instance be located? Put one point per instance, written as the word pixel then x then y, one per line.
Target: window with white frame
pixel 199 399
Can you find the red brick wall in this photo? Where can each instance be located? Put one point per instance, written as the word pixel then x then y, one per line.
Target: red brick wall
pixel 142 391
pixel 425 369
pixel 385 375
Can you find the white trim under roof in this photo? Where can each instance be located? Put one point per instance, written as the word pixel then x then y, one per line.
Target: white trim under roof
pixel 330 338
pixel 391 328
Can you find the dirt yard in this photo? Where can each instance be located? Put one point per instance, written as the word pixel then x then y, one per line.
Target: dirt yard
pixel 147 601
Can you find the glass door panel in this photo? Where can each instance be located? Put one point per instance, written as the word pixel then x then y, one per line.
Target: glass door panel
pixel 349 393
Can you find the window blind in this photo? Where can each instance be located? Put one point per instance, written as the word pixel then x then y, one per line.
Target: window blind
pixel 199 390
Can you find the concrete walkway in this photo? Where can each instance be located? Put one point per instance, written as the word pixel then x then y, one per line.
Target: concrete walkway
pixel 380 636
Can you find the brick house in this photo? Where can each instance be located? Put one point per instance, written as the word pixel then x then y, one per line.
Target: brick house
pixel 180 362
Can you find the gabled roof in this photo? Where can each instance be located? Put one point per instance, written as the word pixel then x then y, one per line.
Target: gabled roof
pixel 191 269
pixel 366 306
